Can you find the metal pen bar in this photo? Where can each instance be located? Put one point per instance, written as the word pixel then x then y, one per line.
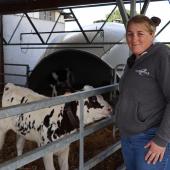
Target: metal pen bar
pixel 37 153
pixel 81 135
pixel 94 43
pixel 54 146
pixel 39 48
pixel 102 155
pixel 11 64
pixel 59 32
pixel 11 74
pixel 36 105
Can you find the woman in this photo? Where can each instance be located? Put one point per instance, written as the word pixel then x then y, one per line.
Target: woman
pixel 143 108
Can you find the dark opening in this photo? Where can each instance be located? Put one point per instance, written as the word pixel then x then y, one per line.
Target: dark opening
pixel 83 68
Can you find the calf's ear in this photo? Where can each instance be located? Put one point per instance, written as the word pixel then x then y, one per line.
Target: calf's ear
pixel 67 93
pixel 88 87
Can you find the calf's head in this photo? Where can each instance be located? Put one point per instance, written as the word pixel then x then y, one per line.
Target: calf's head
pixel 95 107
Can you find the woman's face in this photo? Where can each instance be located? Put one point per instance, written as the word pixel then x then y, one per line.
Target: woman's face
pixel 138 38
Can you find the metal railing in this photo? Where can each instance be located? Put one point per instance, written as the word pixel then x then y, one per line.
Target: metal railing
pixel 37 153
pixel 10 73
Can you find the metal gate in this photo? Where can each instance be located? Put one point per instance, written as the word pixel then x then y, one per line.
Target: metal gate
pixel 37 153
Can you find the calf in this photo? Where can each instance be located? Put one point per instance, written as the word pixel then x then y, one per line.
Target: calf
pixel 49 124
pixel 61 80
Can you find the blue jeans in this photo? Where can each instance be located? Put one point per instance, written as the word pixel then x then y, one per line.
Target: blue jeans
pixel 134 152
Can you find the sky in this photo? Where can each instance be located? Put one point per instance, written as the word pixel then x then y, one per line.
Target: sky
pixel 87 16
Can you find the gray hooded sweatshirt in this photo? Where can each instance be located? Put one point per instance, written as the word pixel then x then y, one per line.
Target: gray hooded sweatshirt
pixel 144 100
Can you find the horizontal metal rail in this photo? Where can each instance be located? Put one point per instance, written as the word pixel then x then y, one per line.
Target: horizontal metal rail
pixel 102 155
pixel 55 32
pixel 71 44
pixel 11 74
pixel 63 43
pixel 61 47
pixel 22 65
pixel 54 146
pixel 27 69
pixel 32 106
pixel 10 65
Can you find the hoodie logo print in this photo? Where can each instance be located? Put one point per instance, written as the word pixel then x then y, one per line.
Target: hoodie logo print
pixel 143 72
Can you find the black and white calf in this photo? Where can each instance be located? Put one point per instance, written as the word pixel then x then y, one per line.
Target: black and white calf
pixel 60 81
pixel 47 125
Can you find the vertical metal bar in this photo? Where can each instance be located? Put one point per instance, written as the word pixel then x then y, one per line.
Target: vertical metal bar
pixel 112 72
pixel 53 28
pixel 103 24
pixel 1 54
pixel 16 28
pixel 145 6
pixel 132 8
pixel 35 29
pixel 27 74
pixel 122 10
pixel 81 150
pixel 84 34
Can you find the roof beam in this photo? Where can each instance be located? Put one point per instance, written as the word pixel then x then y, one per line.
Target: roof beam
pixel 122 10
pixel 22 6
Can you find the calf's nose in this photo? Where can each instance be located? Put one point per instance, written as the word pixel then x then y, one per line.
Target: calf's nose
pixel 109 110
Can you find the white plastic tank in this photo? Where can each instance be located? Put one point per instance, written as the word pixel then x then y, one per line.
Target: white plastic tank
pixel 111 32
pixel 76 63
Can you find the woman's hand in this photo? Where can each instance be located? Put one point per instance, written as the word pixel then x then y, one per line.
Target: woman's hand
pixel 155 153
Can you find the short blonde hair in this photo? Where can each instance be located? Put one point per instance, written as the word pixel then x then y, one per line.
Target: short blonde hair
pixel 150 24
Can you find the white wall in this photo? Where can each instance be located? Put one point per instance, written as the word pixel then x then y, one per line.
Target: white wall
pixel 17 55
